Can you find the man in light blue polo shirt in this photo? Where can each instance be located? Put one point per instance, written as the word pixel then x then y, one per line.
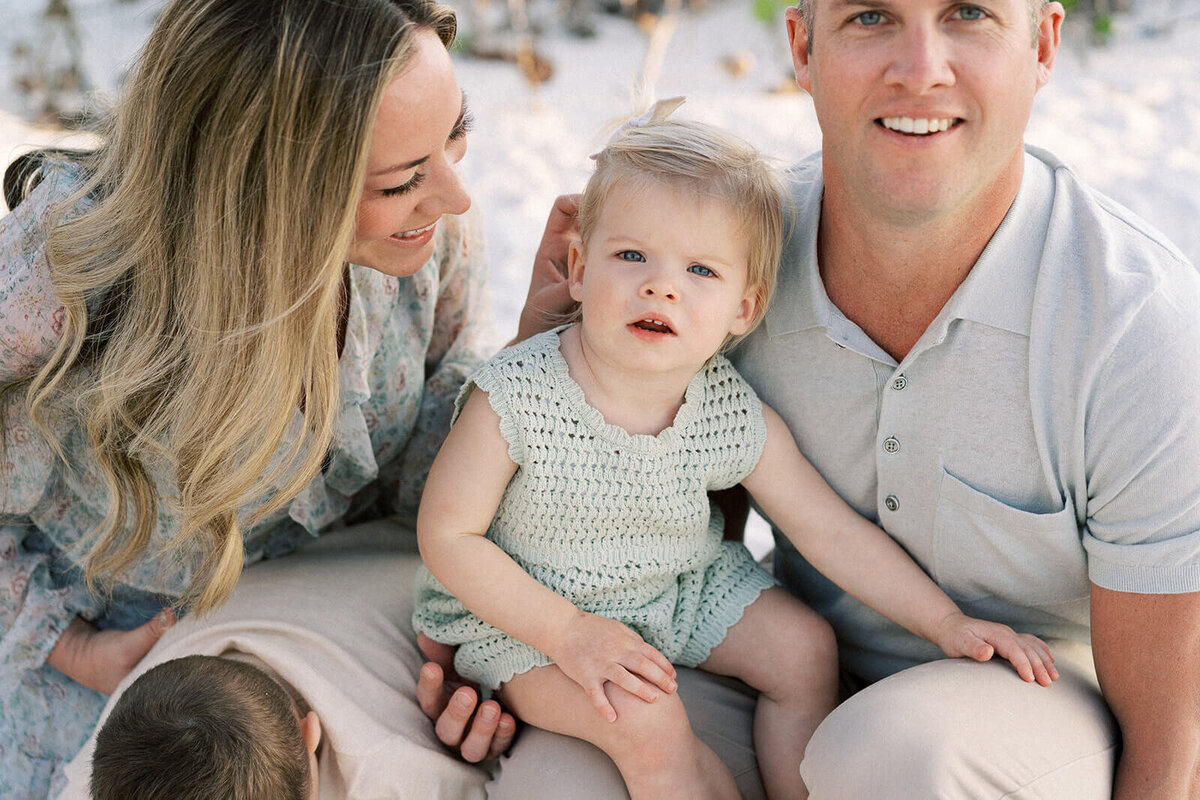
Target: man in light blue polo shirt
pixel 1002 368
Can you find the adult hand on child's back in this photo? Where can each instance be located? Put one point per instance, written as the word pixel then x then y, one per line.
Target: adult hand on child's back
pixel 477 733
pixel 100 660
pixel 594 650
pixel 963 636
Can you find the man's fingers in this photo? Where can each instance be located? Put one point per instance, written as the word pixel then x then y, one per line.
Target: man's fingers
pixel 438 653
pixel 452 722
pixel 506 731
pixel 477 746
pixel 429 690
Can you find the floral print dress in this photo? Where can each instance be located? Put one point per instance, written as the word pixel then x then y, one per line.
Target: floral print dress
pixel 409 344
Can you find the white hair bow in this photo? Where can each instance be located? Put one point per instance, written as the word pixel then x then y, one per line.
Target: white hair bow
pixel 655 114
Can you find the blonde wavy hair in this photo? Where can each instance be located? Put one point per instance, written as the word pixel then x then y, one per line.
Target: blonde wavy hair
pixel 204 289
pixel 706 161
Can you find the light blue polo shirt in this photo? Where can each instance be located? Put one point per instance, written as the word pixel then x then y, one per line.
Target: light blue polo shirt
pixel 1042 434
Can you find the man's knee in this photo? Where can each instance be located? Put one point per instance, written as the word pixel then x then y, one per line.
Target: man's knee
pixel 957 729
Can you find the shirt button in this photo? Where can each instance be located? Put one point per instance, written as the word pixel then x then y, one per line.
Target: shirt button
pixel 899 383
pixel 891 502
pixel 891 445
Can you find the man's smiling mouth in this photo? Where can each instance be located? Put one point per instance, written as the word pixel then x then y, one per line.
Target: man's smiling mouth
pixel 918 126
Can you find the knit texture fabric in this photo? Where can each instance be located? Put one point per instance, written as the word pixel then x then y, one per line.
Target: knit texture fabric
pixel 618 524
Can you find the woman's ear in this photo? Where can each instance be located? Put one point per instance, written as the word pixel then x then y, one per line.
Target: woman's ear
pixel 575 267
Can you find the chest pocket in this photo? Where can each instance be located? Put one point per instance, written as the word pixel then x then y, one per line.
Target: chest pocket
pixel 985 548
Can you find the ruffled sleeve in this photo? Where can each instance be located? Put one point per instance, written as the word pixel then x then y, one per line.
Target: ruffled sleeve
pixel 461 340
pixel 31 317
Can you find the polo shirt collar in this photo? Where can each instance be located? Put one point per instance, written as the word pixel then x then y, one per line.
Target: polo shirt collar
pixel 998 291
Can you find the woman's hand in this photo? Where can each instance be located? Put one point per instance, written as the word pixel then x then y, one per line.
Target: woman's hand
pixel 595 650
pixel 99 659
pixel 960 635
pixel 549 299
pixel 488 734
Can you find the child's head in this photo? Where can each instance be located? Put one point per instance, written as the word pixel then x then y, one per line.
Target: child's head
pixel 203 726
pixel 705 163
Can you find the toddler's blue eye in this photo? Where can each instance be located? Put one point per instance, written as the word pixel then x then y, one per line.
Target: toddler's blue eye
pixel 630 255
pixel 701 270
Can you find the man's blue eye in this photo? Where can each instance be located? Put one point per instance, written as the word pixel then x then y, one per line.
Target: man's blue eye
pixel 870 18
pixel 701 270
pixel 970 13
pixel 630 255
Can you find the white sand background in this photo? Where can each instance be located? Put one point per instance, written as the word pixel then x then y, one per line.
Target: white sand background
pixel 1125 116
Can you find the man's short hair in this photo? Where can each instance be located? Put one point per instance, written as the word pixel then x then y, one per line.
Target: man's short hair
pixel 202 726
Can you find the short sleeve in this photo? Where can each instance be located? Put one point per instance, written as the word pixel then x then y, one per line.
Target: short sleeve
pixel 488 378
pixel 1143 450
pixel 736 431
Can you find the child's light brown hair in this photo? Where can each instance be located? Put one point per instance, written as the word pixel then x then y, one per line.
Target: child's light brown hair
pixel 202 726
pixel 709 162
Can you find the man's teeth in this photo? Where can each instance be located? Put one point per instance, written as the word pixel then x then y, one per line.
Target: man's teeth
pixel 416 233
pixel 911 125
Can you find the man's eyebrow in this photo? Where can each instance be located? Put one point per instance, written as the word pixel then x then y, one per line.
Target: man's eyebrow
pixel 462 114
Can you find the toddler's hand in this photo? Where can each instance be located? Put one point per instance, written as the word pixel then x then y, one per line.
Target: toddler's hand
pixel 100 660
pixel 595 650
pixel 960 635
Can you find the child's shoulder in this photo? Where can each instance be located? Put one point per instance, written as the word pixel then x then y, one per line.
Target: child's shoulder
pixel 537 360
pixel 725 383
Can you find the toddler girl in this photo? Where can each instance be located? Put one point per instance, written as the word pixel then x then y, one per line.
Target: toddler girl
pixel 566 524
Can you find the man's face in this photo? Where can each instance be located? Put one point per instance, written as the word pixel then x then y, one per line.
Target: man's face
pixel 923 103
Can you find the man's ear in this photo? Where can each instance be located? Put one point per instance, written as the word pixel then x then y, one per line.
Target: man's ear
pixel 798 35
pixel 1048 37
pixel 310 729
pixel 575 267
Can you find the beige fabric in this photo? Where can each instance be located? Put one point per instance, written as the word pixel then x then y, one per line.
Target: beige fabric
pixel 958 730
pixel 548 765
pixel 332 619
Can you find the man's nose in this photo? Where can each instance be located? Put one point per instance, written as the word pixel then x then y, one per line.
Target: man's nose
pixel 921 59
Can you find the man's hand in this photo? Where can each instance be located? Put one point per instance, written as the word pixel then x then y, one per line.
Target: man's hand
pixel 549 299
pixel 99 659
pixel 477 734
pixel 960 635
pixel 595 650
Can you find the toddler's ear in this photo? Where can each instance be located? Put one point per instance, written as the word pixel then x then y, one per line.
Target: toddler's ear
pixel 575 268
pixel 747 313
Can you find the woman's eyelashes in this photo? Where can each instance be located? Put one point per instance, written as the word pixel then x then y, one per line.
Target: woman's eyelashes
pixel 412 183
pixel 459 132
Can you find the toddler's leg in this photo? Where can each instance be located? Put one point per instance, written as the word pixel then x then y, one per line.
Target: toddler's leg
pixel 787 652
pixel 652 744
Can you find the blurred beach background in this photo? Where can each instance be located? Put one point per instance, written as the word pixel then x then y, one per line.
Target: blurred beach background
pixel 1122 107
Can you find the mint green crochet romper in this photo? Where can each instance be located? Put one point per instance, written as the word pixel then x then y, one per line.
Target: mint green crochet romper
pixel 618 524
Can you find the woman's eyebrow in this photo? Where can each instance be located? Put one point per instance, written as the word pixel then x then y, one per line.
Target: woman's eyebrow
pixel 462 113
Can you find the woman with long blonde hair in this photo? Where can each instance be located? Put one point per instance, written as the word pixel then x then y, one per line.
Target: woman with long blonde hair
pixel 237 324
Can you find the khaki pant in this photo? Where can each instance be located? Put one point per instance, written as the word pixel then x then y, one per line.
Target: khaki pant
pixel 950 729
